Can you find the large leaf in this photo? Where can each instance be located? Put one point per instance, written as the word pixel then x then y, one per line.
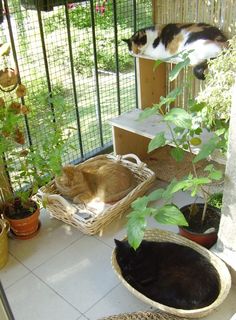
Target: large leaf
pixel 158 141
pixel 168 194
pixel 147 112
pixel 177 154
pixel 206 149
pixel 156 195
pixel 190 183
pixel 171 97
pixel 215 175
pixel 178 67
pixel 140 203
pixel 180 55
pixel 179 117
pixel 196 106
pixel 135 230
pixel 170 214
pixel 182 185
pixel 157 63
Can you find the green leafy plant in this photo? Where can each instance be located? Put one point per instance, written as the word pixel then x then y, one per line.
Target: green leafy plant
pixel 216 199
pixel 184 129
pixel 28 166
pixel 216 95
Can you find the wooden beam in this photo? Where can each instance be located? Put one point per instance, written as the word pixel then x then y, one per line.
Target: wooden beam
pixel 151 82
pixel 5 187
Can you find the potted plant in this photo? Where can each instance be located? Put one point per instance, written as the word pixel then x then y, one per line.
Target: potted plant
pixel 27 165
pixel 8 76
pixel 19 210
pixel 184 132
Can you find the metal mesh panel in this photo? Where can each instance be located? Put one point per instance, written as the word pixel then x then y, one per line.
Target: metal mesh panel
pixel 71 53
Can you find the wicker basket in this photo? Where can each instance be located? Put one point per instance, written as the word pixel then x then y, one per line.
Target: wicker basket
pixel 143 316
pixel 165 236
pixel 72 214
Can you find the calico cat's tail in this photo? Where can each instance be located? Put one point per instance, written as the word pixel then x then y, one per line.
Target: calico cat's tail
pixel 199 70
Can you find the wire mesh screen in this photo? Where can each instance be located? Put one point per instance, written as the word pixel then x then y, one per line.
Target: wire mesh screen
pixel 70 55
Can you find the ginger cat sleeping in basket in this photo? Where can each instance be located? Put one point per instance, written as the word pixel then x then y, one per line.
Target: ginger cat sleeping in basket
pixel 99 178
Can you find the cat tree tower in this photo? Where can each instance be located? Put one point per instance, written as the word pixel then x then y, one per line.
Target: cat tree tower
pixel 129 135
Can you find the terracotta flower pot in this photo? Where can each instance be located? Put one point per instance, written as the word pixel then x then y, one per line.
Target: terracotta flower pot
pixel 4 228
pixel 25 228
pixel 8 79
pixel 206 239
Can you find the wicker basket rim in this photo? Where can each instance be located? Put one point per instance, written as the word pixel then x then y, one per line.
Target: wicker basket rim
pixel 143 315
pixel 60 208
pixel 167 236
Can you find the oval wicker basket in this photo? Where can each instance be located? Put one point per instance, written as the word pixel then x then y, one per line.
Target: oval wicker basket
pixel 166 236
pixel 143 316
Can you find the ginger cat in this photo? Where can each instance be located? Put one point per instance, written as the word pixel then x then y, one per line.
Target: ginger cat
pixel 101 178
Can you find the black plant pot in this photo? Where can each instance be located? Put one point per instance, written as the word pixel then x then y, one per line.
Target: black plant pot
pixel 196 231
pixel 45 5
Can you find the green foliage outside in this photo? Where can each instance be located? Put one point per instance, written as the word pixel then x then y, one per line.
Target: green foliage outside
pixel 84 59
pixel 80 19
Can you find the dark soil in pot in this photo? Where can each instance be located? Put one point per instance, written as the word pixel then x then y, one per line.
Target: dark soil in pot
pixel 212 218
pixel 203 233
pixel 15 209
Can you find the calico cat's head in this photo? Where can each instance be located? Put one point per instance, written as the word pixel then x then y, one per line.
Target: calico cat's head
pixel 138 41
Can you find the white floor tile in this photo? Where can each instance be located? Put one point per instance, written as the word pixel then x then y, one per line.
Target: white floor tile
pixel 53 237
pixel 119 300
pixel 115 230
pixel 12 272
pixel 83 318
pixel 82 273
pixel 31 299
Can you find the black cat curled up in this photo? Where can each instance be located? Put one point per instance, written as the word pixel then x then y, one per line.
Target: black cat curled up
pixel 171 274
pixel 201 40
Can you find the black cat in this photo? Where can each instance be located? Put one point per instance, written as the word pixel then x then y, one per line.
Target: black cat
pixel 168 273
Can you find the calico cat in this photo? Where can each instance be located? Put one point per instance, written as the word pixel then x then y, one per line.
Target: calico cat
pixel 169 273
pixel 201 40
pixel 99 178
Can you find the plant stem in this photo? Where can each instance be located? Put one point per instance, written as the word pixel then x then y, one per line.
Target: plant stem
pixel 204 193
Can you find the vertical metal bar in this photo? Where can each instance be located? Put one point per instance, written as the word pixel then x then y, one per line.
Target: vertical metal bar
pixel 45 61
pixel 135 62
pixel 116 56
pixel 73 80
pixel 96 72
pixel 8 18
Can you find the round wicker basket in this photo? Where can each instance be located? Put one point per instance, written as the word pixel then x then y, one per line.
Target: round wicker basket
pixel 143 316
pixel 166 236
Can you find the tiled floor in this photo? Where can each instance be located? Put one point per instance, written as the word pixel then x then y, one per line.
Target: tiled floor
pixel 63 274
